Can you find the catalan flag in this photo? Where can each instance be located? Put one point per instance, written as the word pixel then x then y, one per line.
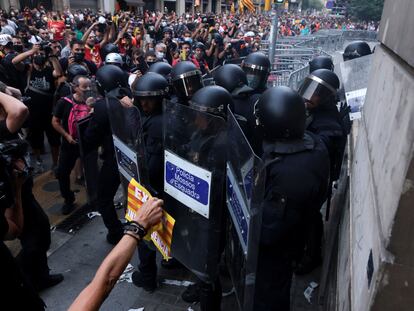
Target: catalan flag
pixel 249 5
pixel 161 235
pixel 232 10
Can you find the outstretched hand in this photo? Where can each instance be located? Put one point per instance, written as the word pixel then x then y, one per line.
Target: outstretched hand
pixel 150 213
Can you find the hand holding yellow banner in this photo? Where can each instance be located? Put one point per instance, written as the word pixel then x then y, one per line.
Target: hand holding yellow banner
pixel 161 235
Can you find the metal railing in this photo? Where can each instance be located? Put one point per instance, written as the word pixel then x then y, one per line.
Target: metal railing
pixel 296 77
pixel 278 78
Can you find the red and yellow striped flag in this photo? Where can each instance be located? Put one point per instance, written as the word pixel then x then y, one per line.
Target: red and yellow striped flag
pixel 249 5
pixel 161 235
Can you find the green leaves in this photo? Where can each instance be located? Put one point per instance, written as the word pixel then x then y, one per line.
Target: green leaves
pixel 368 10
pixel 312 4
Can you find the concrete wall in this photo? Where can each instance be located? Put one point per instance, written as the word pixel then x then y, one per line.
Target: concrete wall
pixel 378 269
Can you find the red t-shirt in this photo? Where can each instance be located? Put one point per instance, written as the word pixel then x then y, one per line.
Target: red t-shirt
pixel 58 29
pixel 93 54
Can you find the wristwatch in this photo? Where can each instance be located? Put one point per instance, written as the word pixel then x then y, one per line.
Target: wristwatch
pixel 136 229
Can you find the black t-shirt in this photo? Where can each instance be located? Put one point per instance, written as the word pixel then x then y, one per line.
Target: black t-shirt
pixel 42 80
pixel 15 78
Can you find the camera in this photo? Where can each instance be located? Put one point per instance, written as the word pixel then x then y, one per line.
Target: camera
pixel 11 151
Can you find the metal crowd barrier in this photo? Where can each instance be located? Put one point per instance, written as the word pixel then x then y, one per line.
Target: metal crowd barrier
pixel 296 77
pixel 287 64
pixel 278 78
pixel 366 35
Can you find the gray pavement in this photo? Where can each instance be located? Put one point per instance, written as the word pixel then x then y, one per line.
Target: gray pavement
pixel 79 255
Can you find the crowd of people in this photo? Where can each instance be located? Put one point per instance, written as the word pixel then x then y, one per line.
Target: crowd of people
pixel 58 68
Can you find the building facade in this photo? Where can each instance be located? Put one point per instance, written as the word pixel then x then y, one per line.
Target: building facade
pixel 179 6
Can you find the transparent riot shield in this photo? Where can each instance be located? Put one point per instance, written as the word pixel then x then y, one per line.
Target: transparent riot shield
pixel 244 195
pixel 127 136
pixel 194 179
pixel 355 75
pixel 89 157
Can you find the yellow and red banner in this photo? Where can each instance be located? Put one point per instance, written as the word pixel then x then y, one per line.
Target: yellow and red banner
pixel 161 235
pixel 248 4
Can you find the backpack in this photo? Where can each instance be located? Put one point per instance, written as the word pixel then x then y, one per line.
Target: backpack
pixel 78 112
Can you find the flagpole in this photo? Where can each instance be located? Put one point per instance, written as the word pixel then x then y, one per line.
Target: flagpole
pixel 273 34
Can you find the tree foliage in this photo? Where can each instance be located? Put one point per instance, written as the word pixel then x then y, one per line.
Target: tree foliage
pixel 312 4
pixel 367 10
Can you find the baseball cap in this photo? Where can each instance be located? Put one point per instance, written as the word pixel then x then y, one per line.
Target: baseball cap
pixel 5 39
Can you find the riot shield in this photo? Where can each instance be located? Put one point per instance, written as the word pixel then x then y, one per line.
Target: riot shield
pixel 244 196
pixel 127 136
pixel 194 172
pixel 355 75
pixel 89 157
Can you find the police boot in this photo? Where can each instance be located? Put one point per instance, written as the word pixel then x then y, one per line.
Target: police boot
pixel 210 296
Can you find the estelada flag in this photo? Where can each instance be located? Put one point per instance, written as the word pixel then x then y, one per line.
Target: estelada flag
pixel 161 235
pixel 232 10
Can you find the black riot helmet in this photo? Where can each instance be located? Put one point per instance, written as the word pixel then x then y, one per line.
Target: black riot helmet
pixel 151 84
pixel 149 92
pixel 356 49
pixel 281 113
pixel 161 68
pixel 231 77
pixel 76 70
pixel 321 62
pixel 109 48
pixel 212 99
pixel 110 77
pixel 257 68
pixel 186 79
pixel 319 87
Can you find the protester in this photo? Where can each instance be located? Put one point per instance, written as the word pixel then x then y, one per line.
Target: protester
pixel 50 59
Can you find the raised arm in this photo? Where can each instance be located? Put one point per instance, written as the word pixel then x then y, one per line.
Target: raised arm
pixel 92 297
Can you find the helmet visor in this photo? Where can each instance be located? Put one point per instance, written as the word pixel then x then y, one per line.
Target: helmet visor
pixel 256 78
pixel 315 92
pixel 187 86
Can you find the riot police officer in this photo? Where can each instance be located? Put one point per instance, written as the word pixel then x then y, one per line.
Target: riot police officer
pixel 297 171
pixel 161 68
pixel 319 91
pixel 186 80
pixel 356 49
pixel 234 80
pixel 205 150
pixel 109 48
pixel 257 68
pixel 111 82
pixel 321 62
pixel 149 92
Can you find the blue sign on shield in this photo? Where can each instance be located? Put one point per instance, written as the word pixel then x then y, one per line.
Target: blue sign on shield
pixel 187 183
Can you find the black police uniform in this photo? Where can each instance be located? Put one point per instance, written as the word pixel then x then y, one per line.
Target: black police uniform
pixel 98 134
pixel 296 184
pixel 154 156
pixel 202 149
